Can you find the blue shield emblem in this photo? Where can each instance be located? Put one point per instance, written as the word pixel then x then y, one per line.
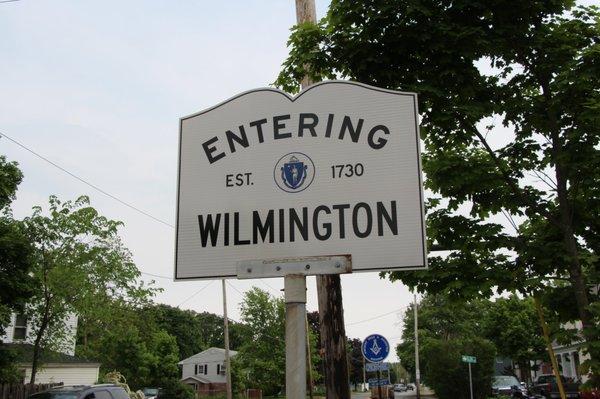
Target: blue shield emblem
pixel 293 173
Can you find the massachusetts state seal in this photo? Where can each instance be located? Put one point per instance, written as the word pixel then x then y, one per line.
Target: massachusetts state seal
pixel 294 172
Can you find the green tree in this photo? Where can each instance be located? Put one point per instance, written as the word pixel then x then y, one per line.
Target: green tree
pixel 80 266
pixel 15 262
pixel 15 249
pixel 355 361
pixel 448 376
pixel 447 330
pixel 184 325
pixel 513 326
pixel 531 66
pixel 212 330
pixel 260 362
pixel 135 345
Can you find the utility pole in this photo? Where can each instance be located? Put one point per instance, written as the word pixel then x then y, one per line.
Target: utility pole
pixel 470 381
pixel 311 385
pixel 333 336
pixel 226 335
pixel 417 370
pixel 329 287
pixel 540 312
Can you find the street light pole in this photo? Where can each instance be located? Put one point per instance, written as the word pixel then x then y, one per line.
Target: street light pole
pixel 417 370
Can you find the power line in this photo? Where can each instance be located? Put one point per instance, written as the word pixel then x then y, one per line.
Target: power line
pixel 82 180
pixel 377 317
pixel 157 275
pixel 270 286
pixel 196 293
pixel 8 1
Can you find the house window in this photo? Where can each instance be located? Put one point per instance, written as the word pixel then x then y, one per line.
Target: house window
pixel 205 369
pixel 20 331
pixel 218 369
pixel 200 368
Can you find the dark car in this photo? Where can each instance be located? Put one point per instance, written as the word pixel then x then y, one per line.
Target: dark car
pixel 102 391
pixel 508 385
pixel 545 386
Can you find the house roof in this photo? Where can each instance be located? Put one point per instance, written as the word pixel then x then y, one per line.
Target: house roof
pixel 208 352
pixel 24 354
pixel 197 379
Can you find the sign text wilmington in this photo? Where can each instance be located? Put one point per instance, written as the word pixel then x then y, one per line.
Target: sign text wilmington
pixel 288 225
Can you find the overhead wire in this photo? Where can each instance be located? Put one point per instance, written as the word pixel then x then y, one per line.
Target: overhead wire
pixel 94 186
pixel 197 292
pixel 84 181
pixel 377 317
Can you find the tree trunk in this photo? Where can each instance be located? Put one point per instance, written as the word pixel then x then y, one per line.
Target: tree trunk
pixel 37 343
pixel 333 336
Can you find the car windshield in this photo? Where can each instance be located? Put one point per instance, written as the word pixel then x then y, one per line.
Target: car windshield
pixel 505 381
pixel 150 391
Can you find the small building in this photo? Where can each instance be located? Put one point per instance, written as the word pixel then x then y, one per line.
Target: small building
pixel 205 371
pixel 54 367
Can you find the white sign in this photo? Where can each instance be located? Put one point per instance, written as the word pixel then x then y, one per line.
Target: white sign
pixel 334 170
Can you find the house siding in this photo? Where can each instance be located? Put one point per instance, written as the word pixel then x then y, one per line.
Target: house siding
pixel 67 374
pixel 213 358
pixel 68 347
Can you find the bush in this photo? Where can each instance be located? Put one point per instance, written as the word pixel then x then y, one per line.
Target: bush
pixel 174 389
pixel 444 371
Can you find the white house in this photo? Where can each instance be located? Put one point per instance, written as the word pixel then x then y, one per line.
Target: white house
pixel 61 366
pixel 20 330
pixel 205 371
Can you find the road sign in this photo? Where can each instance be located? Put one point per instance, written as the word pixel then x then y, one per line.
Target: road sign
pixel 469 359
pixel 377 366
pixel 378 382
pixel 375 348
pixel 334 170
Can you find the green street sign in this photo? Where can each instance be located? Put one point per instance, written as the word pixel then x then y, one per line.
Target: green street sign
pixel 469 359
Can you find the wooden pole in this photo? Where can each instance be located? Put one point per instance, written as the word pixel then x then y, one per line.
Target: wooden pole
pixel 333 336
pixel 311 384
pixel 226 335
pixel 329 287
pixel 540 312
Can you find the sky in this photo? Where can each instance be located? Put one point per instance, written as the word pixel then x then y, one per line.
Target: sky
pixel 98 88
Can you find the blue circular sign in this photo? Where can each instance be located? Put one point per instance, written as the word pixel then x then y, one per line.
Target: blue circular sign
pixel 375 348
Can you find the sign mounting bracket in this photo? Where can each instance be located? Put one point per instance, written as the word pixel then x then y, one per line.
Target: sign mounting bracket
pixel 303 266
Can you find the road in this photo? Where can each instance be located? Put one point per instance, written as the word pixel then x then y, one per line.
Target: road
pixel 397 395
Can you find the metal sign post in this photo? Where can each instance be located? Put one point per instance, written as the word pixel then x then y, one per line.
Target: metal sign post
pixel 294 271
pixel 375 348
pixel 417 369
pixel 295 336
pixel 226 335
pixel 470 381
pixel 470 360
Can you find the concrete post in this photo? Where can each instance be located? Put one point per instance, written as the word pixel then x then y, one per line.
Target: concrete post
pixel 295 336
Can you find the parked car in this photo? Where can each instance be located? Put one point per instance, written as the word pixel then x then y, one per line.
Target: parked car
pixel 399 388
pixel 101 391
pixel 151 393
pixel 508 385
pixel 410 387
pixel 545 387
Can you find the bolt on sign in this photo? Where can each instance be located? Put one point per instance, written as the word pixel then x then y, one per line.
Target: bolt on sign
pixel 333 170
